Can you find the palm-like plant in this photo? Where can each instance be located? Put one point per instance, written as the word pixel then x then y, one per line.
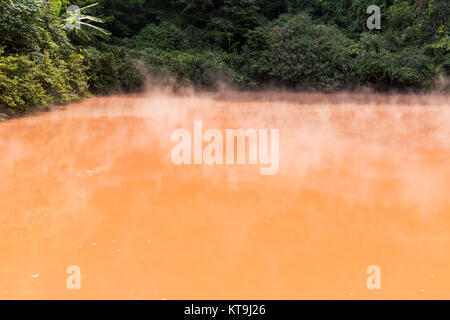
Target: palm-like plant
pixel 78 23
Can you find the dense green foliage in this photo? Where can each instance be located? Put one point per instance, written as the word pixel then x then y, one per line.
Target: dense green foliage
pixel 38 64
pixel 294 50
pixel 311 44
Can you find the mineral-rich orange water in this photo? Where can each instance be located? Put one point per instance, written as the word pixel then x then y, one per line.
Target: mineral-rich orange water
pixel 363 180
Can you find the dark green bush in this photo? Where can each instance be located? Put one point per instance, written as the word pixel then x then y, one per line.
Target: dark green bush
pixel 164 36
pixel 294 51
pixel 378 66
pixel 25 84
pixel 103 71
pixel 114 69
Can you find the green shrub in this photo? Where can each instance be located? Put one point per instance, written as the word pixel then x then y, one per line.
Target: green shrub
pixel 20 88
pixel 199 68
pixel 103 71
pixel 294 51
pixel 113 69
pixel 382 68
pixel 25 84
pixel 22 28
pixel 401 14
pixel 63 79
pixel 120 69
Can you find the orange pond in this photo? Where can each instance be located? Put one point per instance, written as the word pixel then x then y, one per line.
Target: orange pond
pixel 363 180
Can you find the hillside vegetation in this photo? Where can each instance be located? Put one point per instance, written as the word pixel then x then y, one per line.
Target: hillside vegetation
pixel 308 44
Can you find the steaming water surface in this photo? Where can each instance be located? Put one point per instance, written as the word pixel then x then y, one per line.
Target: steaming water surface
pixel 364 180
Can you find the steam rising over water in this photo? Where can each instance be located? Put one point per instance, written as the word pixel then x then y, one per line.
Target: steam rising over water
pixel 363 180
